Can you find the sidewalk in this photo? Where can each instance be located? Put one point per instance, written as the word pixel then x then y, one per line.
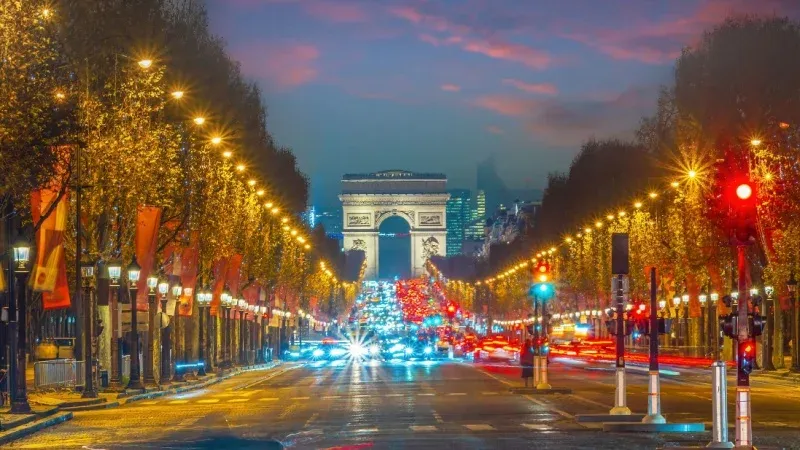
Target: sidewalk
pixel 54 407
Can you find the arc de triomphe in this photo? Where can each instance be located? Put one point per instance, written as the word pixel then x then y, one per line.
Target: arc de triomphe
pixel 419 198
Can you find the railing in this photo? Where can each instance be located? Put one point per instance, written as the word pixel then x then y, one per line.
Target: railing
pixel 58 373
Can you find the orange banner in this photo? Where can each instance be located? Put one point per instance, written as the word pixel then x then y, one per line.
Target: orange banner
pixel 220 270
pixel 234 268
pixel 148 219
pixel 251 294
pixel 49 274
pixel 190 257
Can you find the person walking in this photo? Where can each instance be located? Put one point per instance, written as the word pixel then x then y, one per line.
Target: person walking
pixel 526 361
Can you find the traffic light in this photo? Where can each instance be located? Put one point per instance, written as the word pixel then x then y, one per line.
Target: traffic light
pixel 729 325
pixel 733 195
pixel 541 273
pixel 747 356
pixel 755 324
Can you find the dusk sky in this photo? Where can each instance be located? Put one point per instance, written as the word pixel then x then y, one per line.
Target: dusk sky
pixel 437 86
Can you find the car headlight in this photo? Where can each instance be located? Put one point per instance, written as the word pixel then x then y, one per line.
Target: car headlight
pixel 338 352
pixel 427 350
pixel 317 353
pixel 374 349
pixel 409 351
pixel 357 350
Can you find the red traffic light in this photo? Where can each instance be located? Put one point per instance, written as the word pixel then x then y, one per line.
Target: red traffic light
pixel 451 308
pixel 542 272
pixel 744 191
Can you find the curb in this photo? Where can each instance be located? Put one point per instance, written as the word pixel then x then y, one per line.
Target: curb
pixel 622 427
pixel 92 407
pixel 32 427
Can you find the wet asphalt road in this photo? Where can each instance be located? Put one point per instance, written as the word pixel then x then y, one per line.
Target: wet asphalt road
pixel 409 405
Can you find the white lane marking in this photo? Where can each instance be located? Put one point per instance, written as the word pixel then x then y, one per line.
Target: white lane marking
pixel 457 393
pixel 187 422
pixel 489 393
pixel 238 400
pixel 437 417
pixel 150 402
pixel 479 427
pixel 178 402
pixel 366 430
pixel 269 399
pixel 208 400
pixel 311 420
pixel 538 402
pixel 331 397
pixel 300 398
pixel 426 394
pixel 420 428
pixel 561 413
pixel 537 426
pixel 593 402
pixel 360 396
pixel 394 395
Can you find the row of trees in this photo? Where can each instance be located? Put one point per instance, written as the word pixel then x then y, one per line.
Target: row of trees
pixel 734 95
pixel 137 103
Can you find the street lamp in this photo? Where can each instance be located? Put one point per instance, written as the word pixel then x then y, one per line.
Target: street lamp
pixel 177 290
pixel 115 274
pixel 147 352
pixel 703 298
pixel 21 253
pixel 163 290
pixel 134 271
pixel 791 285
pixel 87 276
pixel 203 300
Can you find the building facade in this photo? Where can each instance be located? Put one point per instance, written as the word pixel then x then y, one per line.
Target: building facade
pixel 458 218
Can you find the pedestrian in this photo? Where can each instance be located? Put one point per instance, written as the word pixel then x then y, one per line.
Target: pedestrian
pixel 526 361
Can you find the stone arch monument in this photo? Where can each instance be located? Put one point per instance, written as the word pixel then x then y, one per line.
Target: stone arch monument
pixel 418 198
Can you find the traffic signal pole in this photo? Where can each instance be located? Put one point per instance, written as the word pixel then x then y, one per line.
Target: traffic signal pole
pixel 654 383
pixel 620 397
pixel 743 424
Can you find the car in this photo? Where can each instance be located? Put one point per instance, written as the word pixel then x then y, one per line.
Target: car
pixel 330 350
pixel 497 348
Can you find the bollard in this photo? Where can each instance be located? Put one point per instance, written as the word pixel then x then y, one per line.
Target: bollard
pixel 542 384
pixel 654 400
pixel 719 403
pixel 535 371
pixel 744 426
pixel 620 399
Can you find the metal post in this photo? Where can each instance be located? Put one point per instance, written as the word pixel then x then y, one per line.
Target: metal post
pixel 767 335
pixel 620 400
pixel 719 405
pixel 744 426
pixel 115 383
pixel 134 380
pixel 18 388
pixel 543 384
pixel 795 331
pixel 166 345
pixel 90 388
pixel 654 384
pixel 201 353
pixel 147 354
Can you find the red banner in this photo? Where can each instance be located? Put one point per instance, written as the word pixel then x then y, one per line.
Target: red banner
pixel 190 257
pixel 220 272
pixel 148 219
pixel 251 294
pixel 234 268
pixel 49 275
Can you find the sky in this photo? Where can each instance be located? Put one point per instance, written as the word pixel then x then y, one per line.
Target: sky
pixel 357 86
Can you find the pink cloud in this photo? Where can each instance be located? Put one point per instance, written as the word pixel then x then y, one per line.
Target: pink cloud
pixel 494 129
pixel 284 66
pixel 660 42
pixel 451 87
pixel 470 40
pixel 532 88
pixel 506 105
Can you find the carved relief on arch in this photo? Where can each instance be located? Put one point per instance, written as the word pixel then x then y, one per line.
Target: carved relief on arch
pixel 408 215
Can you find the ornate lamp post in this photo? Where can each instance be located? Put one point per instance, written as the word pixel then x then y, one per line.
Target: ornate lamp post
pixel 703 298
pixel 685 322
pixel 147 352
pixel 163 379
pixel 114 275
pixel 791 285
pixel 203 301
pixel 21 253
pixel 87 279
pixel 177 290
pixel 135 380
pixel 676 302
pixel 226 325
pixel 712 325
pixel 768 338
pixel 242 304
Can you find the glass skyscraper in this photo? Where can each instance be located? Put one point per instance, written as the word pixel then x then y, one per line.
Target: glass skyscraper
pixel 458 219
pixel 477 218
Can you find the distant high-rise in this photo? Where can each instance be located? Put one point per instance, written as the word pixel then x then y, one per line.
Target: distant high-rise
pixel 477 217
pixel 458 219
pixel 497 193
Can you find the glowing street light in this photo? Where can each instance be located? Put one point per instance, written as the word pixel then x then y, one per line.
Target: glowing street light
pixel 744 191
pixel 145 63
pixel 199 120
pixel 216 140
pixel 177 95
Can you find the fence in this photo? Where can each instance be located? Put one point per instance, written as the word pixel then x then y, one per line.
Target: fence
pixel 58 373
